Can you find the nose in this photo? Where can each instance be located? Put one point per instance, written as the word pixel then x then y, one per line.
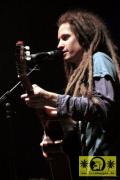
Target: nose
pixel 60 45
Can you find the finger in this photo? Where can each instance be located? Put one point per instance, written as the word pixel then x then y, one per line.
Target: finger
pixel 34 85
pixel 45 154
pixel 50 107
pixel 27 99
pixel 23 96
pixel 51 111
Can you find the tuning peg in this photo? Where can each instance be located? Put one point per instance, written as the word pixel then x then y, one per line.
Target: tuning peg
pixel 27 48
pixel 27 53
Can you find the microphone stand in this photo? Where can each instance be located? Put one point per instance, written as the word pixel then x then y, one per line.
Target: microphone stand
pixel 5 100
pixel 9 92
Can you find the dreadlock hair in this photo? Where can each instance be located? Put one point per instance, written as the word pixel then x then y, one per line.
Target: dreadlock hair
pixel 93 36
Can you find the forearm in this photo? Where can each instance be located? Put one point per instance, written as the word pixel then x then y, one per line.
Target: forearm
pixel 50 98
pixel 80 107
pixel 72 106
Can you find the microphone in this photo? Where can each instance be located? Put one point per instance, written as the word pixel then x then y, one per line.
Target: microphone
pixel 53 53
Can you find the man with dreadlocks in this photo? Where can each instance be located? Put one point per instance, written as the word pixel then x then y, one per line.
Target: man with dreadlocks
pixel 91 97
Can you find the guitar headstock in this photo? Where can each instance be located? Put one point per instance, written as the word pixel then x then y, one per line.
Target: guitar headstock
pixel 22 54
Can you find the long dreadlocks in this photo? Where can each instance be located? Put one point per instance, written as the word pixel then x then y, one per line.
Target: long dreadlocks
pixel 92 35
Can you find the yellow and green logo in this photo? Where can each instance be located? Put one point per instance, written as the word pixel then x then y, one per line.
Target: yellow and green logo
pixel 97 166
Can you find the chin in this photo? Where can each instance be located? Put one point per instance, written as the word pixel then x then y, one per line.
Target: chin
pixel 66 59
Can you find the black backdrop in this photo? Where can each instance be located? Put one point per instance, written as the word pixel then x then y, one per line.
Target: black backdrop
pixel 34 22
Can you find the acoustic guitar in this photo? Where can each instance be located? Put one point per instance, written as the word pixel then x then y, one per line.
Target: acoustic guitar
pixel 57 159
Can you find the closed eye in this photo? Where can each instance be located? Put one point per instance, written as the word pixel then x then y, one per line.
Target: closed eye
pixel 65 37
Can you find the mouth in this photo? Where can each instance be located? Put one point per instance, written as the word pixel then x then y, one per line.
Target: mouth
pixel 64 52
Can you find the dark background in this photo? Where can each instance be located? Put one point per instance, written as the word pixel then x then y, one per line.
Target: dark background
pixel 34 22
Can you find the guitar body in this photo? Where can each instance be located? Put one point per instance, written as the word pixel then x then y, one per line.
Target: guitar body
pixel 60 166
pixel 57 159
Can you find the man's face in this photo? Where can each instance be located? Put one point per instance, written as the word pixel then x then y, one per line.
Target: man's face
pixel 72 50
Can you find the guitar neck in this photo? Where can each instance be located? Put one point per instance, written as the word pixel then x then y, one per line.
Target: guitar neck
pixel 26 84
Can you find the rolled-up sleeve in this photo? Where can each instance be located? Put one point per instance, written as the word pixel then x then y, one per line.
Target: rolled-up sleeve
pixel 68 105
pixel 80 107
